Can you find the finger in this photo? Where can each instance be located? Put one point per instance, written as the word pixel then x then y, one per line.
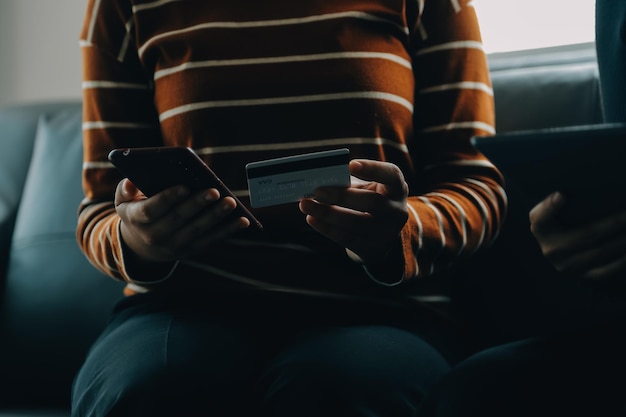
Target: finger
pixel 353 198
pixel 607 272
pixel 154 208
pixel 386 174
pixel 343 234
pixel 363 242
pixel 126 192
pixel 198 237
pixel 335 216
pixel 545 213
pixel 357 209
pixel 608 226
pixel 592 256
pixel 358 231
pixel 174 239
pixel 200 219
pixel 189 208
pixel 197 215
pixel 585 237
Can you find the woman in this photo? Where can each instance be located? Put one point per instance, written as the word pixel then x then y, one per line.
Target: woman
pixel 326 311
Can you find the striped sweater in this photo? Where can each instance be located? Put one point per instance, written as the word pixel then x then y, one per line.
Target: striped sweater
pixel 404 81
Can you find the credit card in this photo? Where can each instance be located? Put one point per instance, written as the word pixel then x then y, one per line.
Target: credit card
pixel 292 178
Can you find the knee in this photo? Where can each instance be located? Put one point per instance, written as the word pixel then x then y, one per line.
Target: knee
pixel 380 370
pixel 175 368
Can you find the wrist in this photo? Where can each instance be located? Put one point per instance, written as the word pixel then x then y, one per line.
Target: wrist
pixel 139 270
pixel 387 270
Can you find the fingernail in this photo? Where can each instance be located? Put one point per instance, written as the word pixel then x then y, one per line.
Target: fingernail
pixel 557 196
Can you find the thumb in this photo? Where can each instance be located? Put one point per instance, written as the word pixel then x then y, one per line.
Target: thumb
pixel 126 191
pixel 129 189
pixel 547 211
pixel 388 176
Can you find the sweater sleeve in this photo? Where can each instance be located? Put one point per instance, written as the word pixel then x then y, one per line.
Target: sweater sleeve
pixel 117 109
pixel 455 208
pixel 462 204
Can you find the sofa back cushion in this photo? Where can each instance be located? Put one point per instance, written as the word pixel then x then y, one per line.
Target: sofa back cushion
pixel 17 130
pixel 545 88
pixel 54 302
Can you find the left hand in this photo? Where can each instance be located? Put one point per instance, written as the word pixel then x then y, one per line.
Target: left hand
pixel 365 218
pixel 594 251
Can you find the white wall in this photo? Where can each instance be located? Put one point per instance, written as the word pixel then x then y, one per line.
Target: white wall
pixel 39 52
pixel 509 25
pixel 40 57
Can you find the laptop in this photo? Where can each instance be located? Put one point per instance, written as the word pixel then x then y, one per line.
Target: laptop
pixel 587 163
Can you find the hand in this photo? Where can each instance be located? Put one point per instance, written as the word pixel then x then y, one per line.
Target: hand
pixel 594 251
pixel 173 225
pixel 365 218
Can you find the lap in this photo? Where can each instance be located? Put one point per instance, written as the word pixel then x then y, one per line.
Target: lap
pixel 577 373
pixel 165 363
pixel 336 370
pixel 168 353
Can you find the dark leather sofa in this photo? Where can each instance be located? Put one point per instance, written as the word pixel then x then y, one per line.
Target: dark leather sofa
pixel 53 302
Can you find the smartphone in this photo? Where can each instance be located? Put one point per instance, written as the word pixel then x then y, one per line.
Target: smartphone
pixel 153 169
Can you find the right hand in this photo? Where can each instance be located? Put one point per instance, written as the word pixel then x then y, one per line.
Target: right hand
pixel 365 218
pixel 173 224
pixel 594 251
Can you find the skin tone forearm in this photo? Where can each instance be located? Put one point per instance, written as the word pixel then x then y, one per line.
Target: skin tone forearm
pixel 594 251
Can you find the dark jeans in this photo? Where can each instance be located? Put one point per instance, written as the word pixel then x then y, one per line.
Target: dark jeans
pixel 575 372
pixel 579 373
pixel 259 356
